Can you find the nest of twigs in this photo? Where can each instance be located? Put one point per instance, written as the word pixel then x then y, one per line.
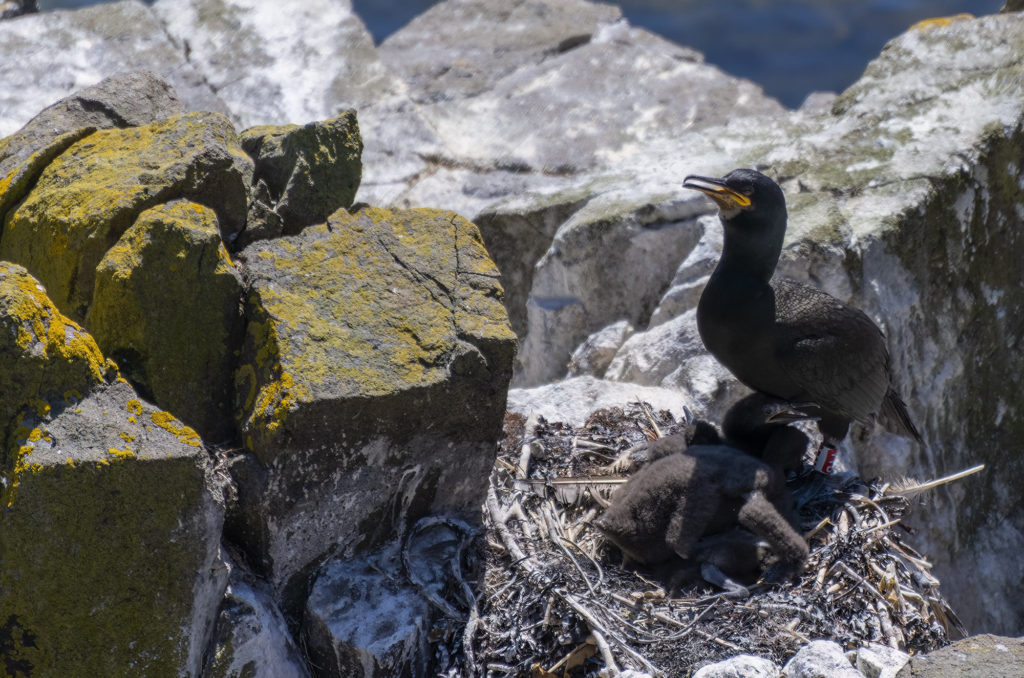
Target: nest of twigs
pixel 555 601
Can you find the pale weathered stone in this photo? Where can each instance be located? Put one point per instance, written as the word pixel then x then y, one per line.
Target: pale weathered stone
pixel 740 666
pixel 820 659
pixel 573 400
pixel 593 356
pixel 81 48
pixel 880 661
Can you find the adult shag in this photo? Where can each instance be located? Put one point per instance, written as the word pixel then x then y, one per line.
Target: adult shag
pixel 784 338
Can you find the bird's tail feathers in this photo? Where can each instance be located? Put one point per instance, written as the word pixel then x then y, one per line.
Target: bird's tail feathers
pixel 894 417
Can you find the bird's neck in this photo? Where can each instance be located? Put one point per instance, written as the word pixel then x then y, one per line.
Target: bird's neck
pixel 748 254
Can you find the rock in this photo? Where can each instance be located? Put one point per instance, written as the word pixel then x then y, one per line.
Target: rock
pixel 671 355
pixel 82 48
pixel 593 356
pixel 605 263
pixel 89 195
pixel 370 616
pixel 897 195
pixel 251 638
pixel 560 65
pixel 359 622
pixel 309 171
pixel 573 400
pixel 820 659
pixel 128 490
pixel 982 656
pixel 167 307
pixel 274 72
pixel 46 359
pixel 880 661
pixel 371 384
pixel 124 100
pixel 685 289
pixel 740 666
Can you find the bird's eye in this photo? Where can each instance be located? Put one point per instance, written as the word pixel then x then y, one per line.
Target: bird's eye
pixel 747 190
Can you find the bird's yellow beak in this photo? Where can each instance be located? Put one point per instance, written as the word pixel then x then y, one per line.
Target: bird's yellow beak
pixel 725 197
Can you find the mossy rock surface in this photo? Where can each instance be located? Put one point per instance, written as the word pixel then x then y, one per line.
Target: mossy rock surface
pixel 369 306
pixel 86 198
pixel 44 357
pixel 167 307
pixel 309 171
pixel 110 530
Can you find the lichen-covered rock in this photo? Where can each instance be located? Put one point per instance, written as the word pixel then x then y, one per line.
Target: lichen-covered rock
pixel 89 195
pixel 251 638
pixel 123 100
pixel 110 525
pixel 46 360
pixel 81 48
pixel 309 170
pixel 982 656
pixel 371 386
pixel 167 307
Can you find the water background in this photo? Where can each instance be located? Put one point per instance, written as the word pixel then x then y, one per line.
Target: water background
pixel 790 47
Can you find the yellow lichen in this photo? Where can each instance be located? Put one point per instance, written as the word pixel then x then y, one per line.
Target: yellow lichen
pixel 127 437
pixel 120 454
pixel 940 22
pixel 134 406
pixel 185 434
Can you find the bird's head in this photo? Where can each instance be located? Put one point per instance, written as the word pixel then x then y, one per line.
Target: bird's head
pixel 753 211
pixel 741 191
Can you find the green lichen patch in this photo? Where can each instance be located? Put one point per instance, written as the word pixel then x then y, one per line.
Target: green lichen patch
pixel 309 171
pixel 369 306
pixel 88 196
pixel 167 306
pixel 44 357
pixel 105 529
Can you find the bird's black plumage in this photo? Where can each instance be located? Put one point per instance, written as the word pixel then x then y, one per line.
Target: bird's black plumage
pixel 785 338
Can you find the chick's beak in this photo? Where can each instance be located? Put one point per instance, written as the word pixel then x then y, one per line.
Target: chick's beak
pixel 725 197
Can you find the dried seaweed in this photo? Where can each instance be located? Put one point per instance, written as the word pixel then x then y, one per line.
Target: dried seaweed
pixel 555 602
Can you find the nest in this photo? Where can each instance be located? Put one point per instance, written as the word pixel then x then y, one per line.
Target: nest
pixel 555 602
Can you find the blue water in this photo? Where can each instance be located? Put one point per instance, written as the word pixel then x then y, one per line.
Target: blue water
pixel 790 47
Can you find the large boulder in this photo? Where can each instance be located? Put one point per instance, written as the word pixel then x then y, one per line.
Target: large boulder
pixel 167 307
pixel 371 385
pixel 110 514
pixel 85 199
pixel 81 48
